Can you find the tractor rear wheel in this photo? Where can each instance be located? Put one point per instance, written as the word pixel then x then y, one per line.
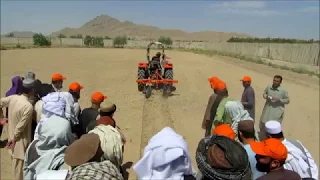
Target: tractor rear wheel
pixel 168 74
pixel 141 75
pixel 167 88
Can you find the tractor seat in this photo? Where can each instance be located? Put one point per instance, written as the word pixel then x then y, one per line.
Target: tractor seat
pixel 154 64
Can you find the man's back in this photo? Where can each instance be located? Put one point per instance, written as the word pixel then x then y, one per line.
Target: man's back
pixel 87 115
pixel 299 159
pixel 17 105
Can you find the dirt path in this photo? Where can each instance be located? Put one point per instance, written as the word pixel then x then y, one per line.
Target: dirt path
pixel 113 71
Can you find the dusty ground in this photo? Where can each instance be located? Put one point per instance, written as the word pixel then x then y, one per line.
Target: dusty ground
pixel 113 71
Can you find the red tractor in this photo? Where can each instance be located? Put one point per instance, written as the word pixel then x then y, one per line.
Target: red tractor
pixel 156 74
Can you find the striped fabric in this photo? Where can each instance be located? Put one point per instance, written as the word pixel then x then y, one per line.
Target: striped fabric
pixel 96 171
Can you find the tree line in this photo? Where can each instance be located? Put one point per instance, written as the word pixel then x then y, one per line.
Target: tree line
pixel 120 41
pixel 272 40
pixel 93 41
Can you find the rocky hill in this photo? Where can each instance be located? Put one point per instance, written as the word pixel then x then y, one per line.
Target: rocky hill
pixel 105 25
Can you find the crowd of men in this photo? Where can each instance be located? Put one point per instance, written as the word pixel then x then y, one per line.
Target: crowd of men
pixel 51 137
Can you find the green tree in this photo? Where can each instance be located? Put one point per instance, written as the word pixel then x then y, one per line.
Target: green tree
pixel 91 41
pixel 10 35
pixel 40 40
pixel 98 42
pixel 88 41
pixel 78 36
pixel 61 36
pixel 165 40
pixel 119 41
pixel 107 37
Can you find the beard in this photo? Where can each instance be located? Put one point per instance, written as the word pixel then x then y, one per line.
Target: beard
pixel 263 167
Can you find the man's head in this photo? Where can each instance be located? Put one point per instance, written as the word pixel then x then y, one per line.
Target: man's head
pixel 274 130
pixel 224 130
pixel 216 155
pixel 221 89
pixel 107 108
pixel 246 130
pixel 74 89
pixel 28 86
pixel 29 75
pixel 246 81
pixel 97 98
pixel 89 149
pixel 212 81
pixel 277 80
pixel 57 80
pixel 158 54
pixel 270 154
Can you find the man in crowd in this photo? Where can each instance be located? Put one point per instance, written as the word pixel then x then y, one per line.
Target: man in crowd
pixel 106 113
pixel 32 75
pixel 206 119
pixel 34 99
pixel 74 90
pixel 220 116
pixel 299 158
pixel 248 96
pixel 57 82
pixel 91 113
pixel 16 88
pixel 213 156
pixel 246 134
pixel 224 130
pixel 271 156
pixel 276 99
pixel 19 126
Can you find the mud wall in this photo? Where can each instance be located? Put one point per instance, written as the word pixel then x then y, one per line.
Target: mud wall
pixel 296 53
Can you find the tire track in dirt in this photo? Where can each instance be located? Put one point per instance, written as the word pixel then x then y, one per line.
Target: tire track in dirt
pixel 156 116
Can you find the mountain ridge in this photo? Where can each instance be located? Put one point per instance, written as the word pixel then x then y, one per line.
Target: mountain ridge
pixel 105 25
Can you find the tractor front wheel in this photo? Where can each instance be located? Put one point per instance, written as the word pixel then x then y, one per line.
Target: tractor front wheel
pixel 141 75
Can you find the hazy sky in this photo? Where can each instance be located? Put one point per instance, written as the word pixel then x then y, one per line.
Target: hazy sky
pixel 297 19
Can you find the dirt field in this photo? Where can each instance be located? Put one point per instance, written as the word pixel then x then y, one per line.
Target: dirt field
pixel 113 71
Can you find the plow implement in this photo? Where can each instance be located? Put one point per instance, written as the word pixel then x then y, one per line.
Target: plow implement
pixel 166 85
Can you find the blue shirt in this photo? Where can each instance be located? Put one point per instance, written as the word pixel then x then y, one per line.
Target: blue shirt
pixel 255 173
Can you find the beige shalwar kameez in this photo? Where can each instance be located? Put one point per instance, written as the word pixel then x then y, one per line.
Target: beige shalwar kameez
pixel 19 129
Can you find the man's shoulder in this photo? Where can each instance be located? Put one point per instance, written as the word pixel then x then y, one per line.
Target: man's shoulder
pixel 268 86
pixel 225 100
pixel 250 89
pixel 281 88
pixel 89 110
pixel 27 106
pixel 86 109
pixel 76 104
pixel 213 96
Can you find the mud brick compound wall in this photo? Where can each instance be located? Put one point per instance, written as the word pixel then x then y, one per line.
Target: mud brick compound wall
pixel 308 54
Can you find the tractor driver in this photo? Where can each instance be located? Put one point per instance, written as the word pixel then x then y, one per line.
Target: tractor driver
pixel 155 61
pixel 156 57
